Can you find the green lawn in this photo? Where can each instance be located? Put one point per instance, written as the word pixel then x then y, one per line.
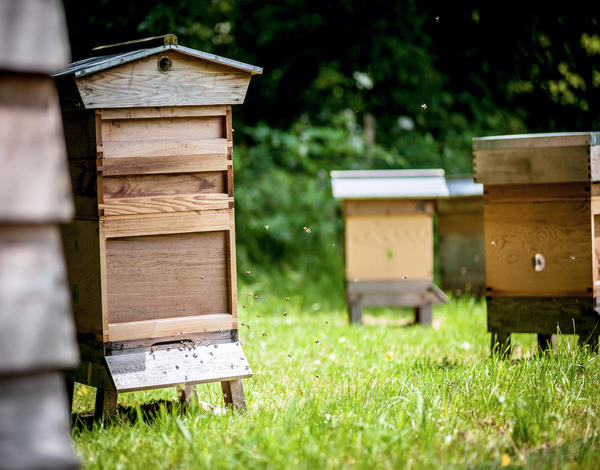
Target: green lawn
pixel 385 395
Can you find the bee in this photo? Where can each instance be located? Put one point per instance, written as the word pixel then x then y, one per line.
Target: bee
pixel 424 106
pixel 437 19
pixel 248 272
pixel 287 299
pixel 264 334
pixel 572 258
pixel 306 229
pixel 285 314
pixel 258 315
pixel 176 367
pixel 404 276
pixel 243 306
pixel 266 227
pixel 289 355
pixel 256 297
pixel 316 341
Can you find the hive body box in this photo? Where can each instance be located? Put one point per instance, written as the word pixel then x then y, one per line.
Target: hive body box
pixel 541 215
pixel 460 232
pixel 151 253
pixel 389 238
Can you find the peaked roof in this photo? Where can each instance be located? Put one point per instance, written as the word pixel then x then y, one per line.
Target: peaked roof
pixel 93 65
pixel 388 184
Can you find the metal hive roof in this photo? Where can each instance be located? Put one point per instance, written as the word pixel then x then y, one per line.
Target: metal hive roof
pixel 93 65
pixel 462 186
pixel 389 184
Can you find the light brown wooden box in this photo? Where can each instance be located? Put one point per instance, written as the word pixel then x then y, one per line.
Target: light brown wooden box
pixel 151 253
pixel 540 218
pixel 389 238
pixel 460 237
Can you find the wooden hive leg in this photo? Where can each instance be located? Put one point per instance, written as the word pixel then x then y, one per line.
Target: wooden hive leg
pixel 187 394
pixel 355 313
pixel 106 403
pixel 546 342
pixel 423 314
pixel 501 343
pixel 233 394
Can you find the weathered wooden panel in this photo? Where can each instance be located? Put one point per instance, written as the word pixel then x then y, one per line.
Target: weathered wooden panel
pixel 162 112
pixel 34 180
pixel 143 370
pixel 532 165
pixel 168 223
pixel 559 231
pixel 386 206
pixel 81 244
pixel 163 185
pixel 35 315
pixel 178 128
pixel 537 192
pixel 165 148
pixel 387 247
pixel 161 204
pixel 190 82
pixel 165 276
pixel 165 328
pixel 162 165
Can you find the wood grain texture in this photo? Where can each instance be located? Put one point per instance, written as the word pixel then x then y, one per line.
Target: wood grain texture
pixel 164 148
pixel 166 224
pixel 175 203
pixel 168 327
pixel 533 141
pixel 388 247
pixel 560 231
pixel 81 244
pixel 144 370
pixel 386 207
pixel 537 192
pixel 461 205
pixel 233 394
pixel 162 112
pixel 532 165
pixel 34 181
pixel 163 164
pixel 595 162
pixel 200 183
pixel 175 128
pixel 165 276
pixel 191 82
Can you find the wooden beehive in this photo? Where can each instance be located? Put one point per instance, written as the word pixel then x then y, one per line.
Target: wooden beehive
pixel 460 235
pixel 540 218
pixel 389 238
pixel 151 253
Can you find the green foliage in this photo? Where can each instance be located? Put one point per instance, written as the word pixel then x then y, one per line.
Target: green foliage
pixel 384 395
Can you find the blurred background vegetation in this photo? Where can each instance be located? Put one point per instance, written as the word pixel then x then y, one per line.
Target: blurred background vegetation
pixel 425 76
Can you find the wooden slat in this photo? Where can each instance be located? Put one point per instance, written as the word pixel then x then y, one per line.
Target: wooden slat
pixel 164 148
pixel 468 204
pixel 164 224
pixel 144 370
pixel 387 206
pixel 533 142
pixel 560 231
pixel 532 165
pixel 175 203
pixel 381 247
pixel 132 186
pixel 180 128
pixel 160 276
pixel 170 326
pixel 191 81
pixel 163 164
pixel 536 192
pixel 162 112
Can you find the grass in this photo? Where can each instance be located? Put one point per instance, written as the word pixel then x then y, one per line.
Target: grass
pixel 385 395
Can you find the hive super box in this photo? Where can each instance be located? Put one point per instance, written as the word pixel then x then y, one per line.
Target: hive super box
pixel 541 215
pixel 151 253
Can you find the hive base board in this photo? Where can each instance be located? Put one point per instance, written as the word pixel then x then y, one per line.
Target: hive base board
pixel 149 368
pixel 543 316
pixel 420 294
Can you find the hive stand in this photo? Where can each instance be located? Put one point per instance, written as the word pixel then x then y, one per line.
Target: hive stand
pixel 389 238
pixel 541 219
pixel 460 235
pixel 151 253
